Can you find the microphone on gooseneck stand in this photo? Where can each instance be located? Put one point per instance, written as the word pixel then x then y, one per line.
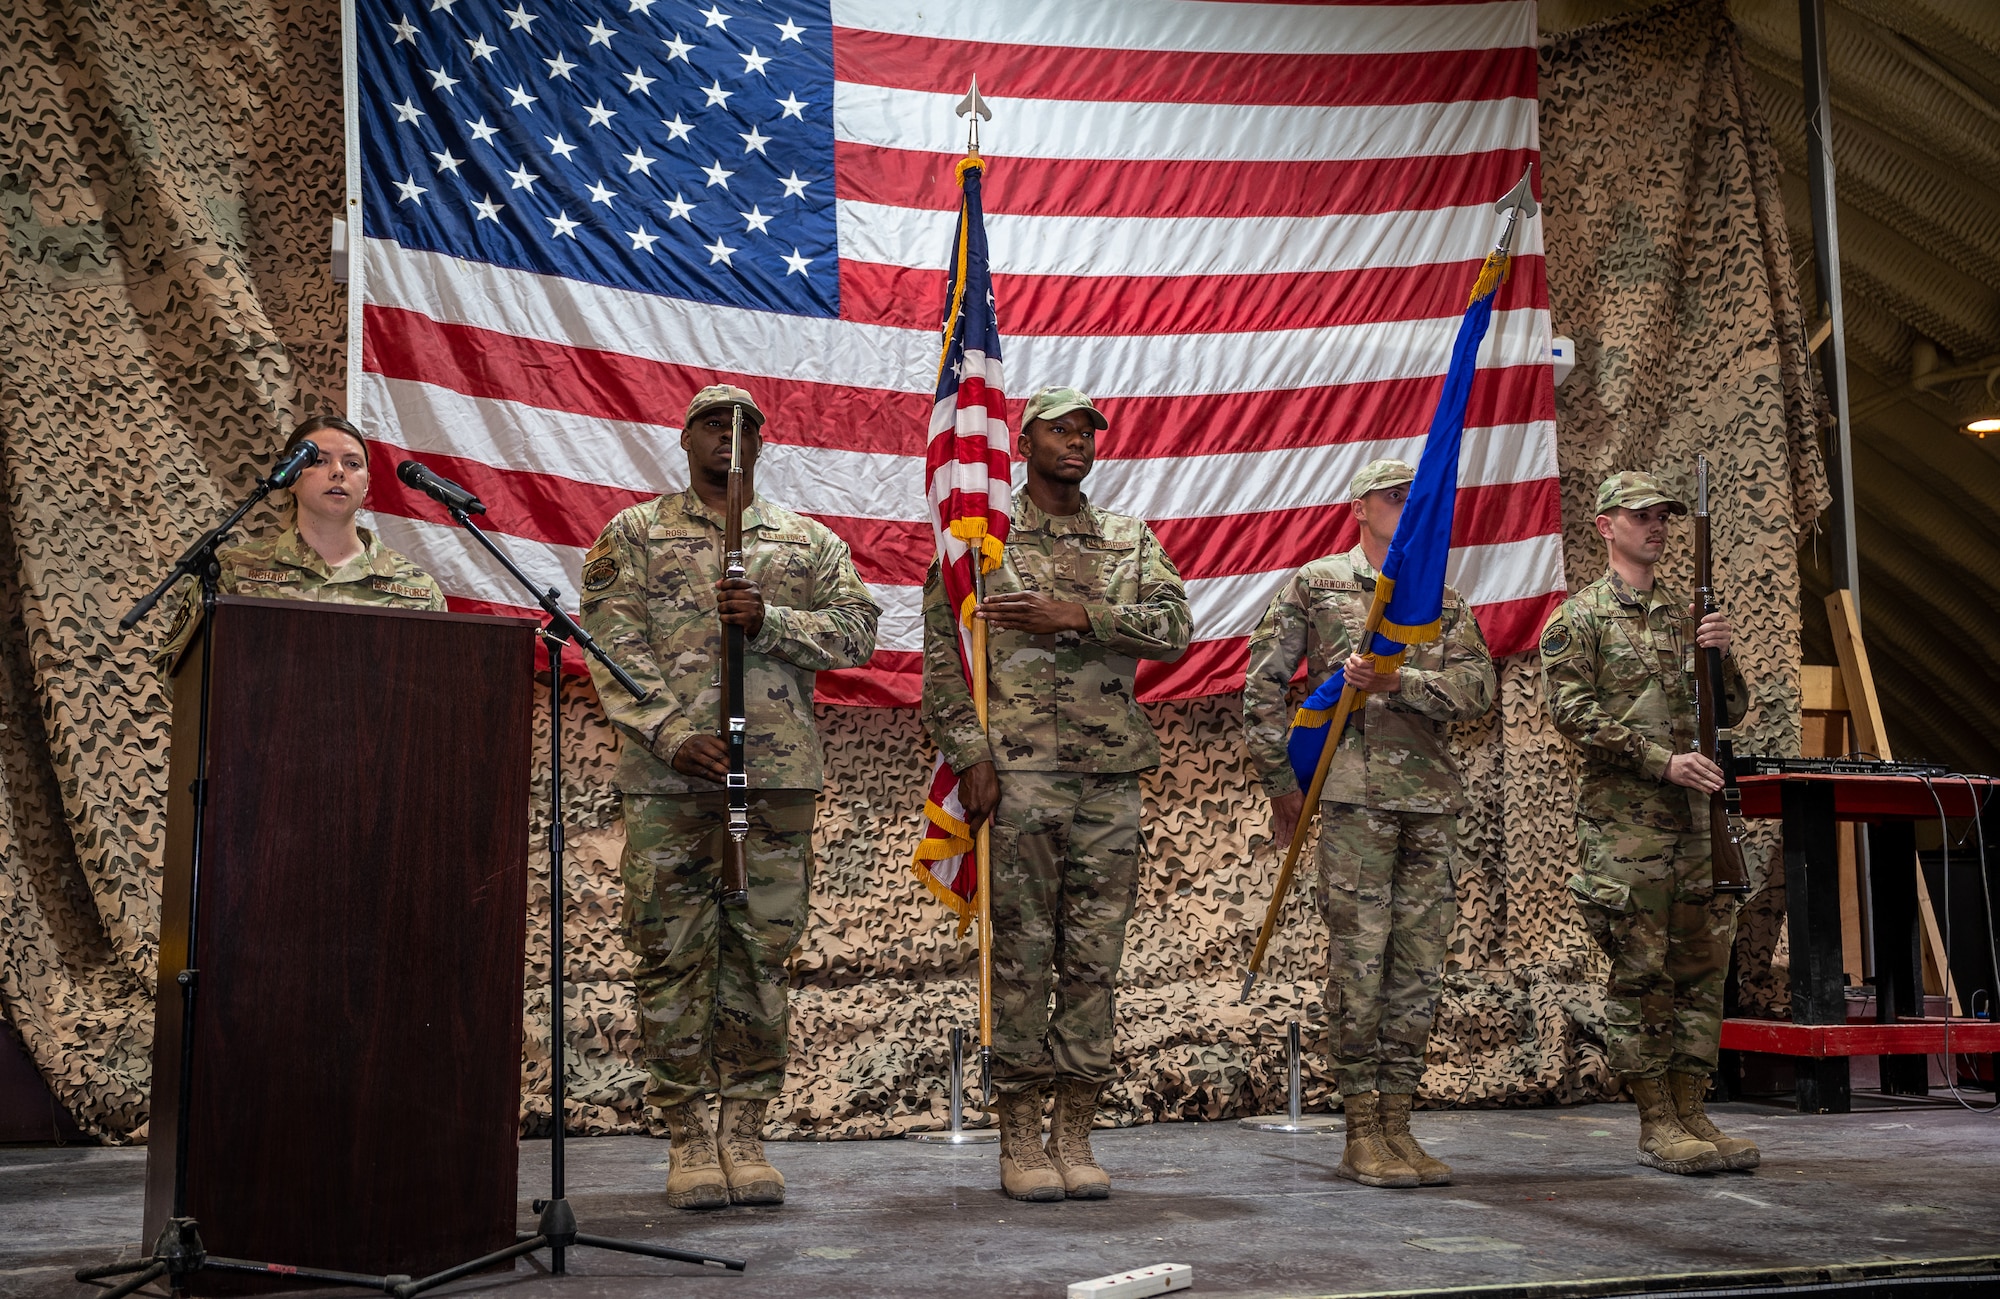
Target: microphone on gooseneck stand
pixel 303 457
pixel 442 490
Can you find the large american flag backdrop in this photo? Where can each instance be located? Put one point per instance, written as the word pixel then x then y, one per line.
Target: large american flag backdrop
pixel 1247 230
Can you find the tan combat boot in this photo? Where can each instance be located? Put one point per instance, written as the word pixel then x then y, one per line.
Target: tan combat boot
pixel 1688 1091
pixel 1069 1140
pixel 1395 1111
pixel 1663 1143
pixel 694 1176
pixel 751 1178
pixel 1025 1170
pixel 1369 1159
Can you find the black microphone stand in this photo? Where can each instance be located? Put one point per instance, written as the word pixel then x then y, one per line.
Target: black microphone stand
pixel 556 1231
pixel 179 1253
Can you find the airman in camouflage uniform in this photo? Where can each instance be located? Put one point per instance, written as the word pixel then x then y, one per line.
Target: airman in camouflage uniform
pixel 284 567
pixel 287 567
pixel 711 981
pixel 1388 813
pixel 1617 663
pixel 1082 596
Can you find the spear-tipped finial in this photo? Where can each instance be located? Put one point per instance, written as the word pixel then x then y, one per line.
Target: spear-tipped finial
pixel 1519 203
pixel 972 108
pixel 1521 196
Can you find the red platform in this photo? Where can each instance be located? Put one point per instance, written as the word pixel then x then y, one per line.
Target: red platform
pixel 1818 1041
pixel 1872 798
pixel 1818 1038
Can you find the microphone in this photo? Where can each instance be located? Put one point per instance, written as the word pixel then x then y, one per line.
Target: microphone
pixel 303 457
pixel 442 490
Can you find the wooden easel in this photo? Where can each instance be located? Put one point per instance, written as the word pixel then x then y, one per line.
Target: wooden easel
pixel 1835 726
pixel 1828 733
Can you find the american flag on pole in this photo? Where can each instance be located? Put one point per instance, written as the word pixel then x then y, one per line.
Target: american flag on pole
pixel 969 487
pixel 1244 229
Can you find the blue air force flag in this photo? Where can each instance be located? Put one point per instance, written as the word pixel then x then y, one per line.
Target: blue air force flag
pixel 1409 593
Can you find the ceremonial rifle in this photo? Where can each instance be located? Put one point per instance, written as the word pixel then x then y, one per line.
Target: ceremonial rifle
pixel 1725 806
pixel 735 861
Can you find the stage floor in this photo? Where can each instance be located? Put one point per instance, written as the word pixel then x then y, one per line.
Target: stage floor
pixel 1542 1196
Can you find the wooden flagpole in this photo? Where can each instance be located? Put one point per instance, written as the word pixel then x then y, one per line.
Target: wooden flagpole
pixel 1519 202
pixel 983 853
pixel 1350 699
pixel 972 108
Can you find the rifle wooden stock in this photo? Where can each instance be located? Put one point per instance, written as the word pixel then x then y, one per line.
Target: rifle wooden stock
pixel 1725 806
pixel 735 852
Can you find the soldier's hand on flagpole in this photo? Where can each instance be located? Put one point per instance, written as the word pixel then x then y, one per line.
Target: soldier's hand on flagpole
pixel 1713 631
pixel 703 755
pixel 739 600
pixel 1034 613
pixel 1285 811
pixel 978 792
pixel 1361 674
pixel 1695 772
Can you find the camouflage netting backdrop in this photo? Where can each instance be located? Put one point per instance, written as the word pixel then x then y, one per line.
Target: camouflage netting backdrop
pixel 168 176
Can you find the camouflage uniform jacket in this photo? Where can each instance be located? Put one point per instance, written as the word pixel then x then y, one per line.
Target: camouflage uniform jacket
pixel 1395 760
pixel 284 567
pixel 649 599
pixel 1617 666
pixel 1064 701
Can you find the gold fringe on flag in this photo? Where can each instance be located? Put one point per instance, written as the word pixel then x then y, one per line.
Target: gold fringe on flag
pixel 1491 275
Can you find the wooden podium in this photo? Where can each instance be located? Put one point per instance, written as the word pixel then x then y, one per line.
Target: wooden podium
pixel 355 1102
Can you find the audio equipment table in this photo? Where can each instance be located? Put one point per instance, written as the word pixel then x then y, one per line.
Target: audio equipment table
pixel 1818 1037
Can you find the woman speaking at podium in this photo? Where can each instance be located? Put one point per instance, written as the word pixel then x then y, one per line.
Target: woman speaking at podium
pixel 322 554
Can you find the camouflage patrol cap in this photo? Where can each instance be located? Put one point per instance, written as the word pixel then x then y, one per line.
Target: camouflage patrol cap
pixel 1054 403
pixel 1634 490
pixel 1377 474
pixel 724 394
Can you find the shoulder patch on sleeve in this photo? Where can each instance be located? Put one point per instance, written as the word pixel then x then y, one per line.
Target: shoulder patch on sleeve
pixel 600 573
pixel 1556 639
pixel 182 617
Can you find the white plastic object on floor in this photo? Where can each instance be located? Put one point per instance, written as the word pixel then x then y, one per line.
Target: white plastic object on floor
pixel 1157 1279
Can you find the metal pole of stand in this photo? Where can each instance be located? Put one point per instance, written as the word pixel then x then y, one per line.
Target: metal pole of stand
pixel 957 1079
pixel 1292 1080
pixel 957 1134
pixel 1293 1121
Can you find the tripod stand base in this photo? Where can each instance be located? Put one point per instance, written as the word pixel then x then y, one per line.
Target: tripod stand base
pixel 557 1233
pixel 178 1254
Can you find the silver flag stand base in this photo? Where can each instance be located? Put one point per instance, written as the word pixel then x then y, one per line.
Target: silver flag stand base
pixel 1292 1121
pixel 957 1137
pixel 957 1134
pixel 1307 1125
